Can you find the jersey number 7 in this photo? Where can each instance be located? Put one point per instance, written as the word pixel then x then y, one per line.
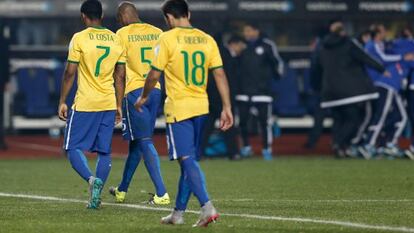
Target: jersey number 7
pixel 99 62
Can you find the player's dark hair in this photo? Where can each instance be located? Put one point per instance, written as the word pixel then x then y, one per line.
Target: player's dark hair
pixel 235 39
pixel 361 35
pixel 335 20
pixel 92 9
pixel 253 25
pixel 176 8
pixel 375 31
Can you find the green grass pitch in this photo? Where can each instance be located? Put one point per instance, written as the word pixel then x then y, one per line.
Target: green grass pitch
pixel 379 194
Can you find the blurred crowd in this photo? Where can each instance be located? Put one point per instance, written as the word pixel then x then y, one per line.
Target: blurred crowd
pixel 366 84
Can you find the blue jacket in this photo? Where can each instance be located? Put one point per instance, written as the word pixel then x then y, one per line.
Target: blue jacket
pixel 391 63
pixel 403 46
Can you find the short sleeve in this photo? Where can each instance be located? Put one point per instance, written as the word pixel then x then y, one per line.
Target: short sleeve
pixel 123 58
pixel 161 55
pixel 74 50
pixel 216 61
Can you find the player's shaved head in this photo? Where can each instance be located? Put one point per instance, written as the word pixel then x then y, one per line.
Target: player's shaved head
pixel 127 13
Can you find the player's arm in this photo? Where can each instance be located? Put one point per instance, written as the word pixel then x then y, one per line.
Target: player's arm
pixel 67 83
pixel 216 67
pixel 119 79
pixel 157 66
pixel 150 83
pixel 226 119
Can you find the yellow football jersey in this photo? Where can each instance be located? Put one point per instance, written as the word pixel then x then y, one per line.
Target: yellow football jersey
pixel 97 50
pixel 186 55
pixel 139 39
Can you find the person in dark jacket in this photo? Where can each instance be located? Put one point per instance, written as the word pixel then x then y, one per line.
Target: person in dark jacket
pixel 345 83
pixel 318 113
pixel 4 77
pixel 260 62
pixel 231 62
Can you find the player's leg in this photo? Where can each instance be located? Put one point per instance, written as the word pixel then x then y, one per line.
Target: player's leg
pixel 80 135
pixel 183 196
pixel 315 132
pixel 244 112
pixel 152 164
pixel 134 153
pixel 103 146
pixel 208 211
pixel 103 166
pixel 396 125
pixel 366 115
pixel 131 164
pixel 188 162
pixel 79 126
pixel 266 124
pixel 184 141
pixel 184 190
pixel 382 106
pixel 145 126
pixel 79 163
pixel 351 115
pixel 138 129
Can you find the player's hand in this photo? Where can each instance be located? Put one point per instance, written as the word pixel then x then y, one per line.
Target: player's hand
pixel 387 74
pixel 63 112
pixel 226 119
pixel 140 102
pixel 118 117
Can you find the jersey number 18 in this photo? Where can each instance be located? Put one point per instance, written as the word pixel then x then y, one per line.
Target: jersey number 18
pixel 198 59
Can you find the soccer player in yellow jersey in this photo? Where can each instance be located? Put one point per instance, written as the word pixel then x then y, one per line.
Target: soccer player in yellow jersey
pixel 186 54
pixel 99 58
pixel 139 40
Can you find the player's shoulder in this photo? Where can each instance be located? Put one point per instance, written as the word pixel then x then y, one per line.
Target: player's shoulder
pixel 79 34
pixel 202 33
pixel 122 30
pixel 139 26
pixel 168 35
pixel 153 28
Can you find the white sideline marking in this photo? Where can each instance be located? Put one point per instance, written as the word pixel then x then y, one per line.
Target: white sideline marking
pixel 328 201
pixel 251 216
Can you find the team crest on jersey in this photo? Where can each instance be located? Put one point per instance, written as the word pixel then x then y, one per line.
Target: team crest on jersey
pixel 259 50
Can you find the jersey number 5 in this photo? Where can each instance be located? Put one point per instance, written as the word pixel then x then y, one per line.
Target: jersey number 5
pixel 99 62
pixel 143 59
pixel 198 59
